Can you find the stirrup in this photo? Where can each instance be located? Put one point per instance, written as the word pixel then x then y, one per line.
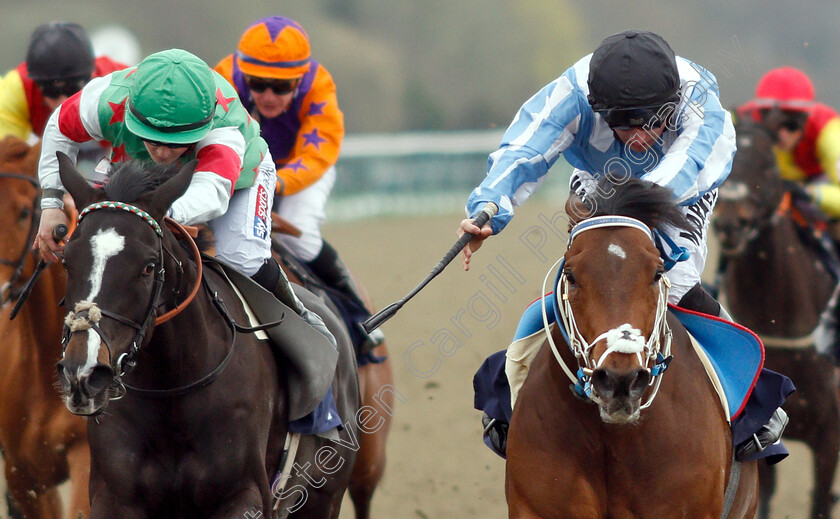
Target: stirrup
pixel 770 433
pixel 496 433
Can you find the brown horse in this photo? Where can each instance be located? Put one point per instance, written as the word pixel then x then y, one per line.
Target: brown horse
pixel 44 445
pixel 652 447
pixel 189 413
pixel 376 383
pixel 777 286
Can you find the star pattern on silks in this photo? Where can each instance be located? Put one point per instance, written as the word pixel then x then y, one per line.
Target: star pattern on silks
pixel 119 112
pixel 224 101
pixel 257 167
pixel 296 165
pixel 118 154
pixel 317 108
pixel 313 138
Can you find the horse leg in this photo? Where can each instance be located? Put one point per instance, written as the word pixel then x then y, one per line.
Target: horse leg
pixel 78 460
pixel 27 496
pixel 374 380
pixel 824 453
pixel 767 486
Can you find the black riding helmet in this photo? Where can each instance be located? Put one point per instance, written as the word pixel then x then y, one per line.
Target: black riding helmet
pixel 632 75
pixel 59 51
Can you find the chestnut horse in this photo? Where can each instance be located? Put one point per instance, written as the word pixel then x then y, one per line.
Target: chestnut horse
pixel 652 446
pixel 777 286
pixel 44 445
pixel 189 414
pixel 376 383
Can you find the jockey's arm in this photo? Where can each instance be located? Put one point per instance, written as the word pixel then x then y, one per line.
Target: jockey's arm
pixel 318 141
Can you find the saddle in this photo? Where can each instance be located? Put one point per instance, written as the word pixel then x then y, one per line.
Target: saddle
pixel 309 363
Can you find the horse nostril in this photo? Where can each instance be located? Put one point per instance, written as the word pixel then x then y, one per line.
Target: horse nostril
pixel 99 380
pixel 639 384
pixel 63 377
pixel 603 383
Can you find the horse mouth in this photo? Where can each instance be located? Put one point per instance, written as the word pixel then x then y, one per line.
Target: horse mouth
pixel 624 412
pixel 81 405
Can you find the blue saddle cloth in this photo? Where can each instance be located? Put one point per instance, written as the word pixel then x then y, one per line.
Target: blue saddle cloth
pixel 736 353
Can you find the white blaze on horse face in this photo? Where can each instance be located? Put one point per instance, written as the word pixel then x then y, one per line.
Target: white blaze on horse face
pixel 616 250
pixel 104 245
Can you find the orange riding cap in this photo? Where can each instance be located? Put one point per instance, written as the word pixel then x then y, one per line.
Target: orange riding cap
pixel 274 47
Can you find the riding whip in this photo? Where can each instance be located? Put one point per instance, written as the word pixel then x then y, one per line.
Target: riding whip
pixel 376 320
pixel 59 233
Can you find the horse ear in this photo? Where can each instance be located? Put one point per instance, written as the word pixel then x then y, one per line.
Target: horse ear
pixel 74 182
pixel 172 189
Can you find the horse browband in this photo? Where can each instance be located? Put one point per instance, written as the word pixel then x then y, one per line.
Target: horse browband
pixel 609 221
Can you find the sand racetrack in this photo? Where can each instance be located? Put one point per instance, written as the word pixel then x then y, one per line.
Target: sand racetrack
pixel 438 466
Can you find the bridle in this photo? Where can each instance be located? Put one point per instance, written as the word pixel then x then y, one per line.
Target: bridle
pixel 87 314
pixel 654 354
pixel 8 291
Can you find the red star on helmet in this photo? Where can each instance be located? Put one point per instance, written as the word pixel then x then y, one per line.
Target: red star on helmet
pixel 224 101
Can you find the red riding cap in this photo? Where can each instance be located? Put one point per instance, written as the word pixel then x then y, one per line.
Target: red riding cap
pixel 786 87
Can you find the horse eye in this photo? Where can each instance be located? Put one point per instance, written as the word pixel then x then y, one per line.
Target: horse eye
pixel 569 276
pixel 658 275
pixel 25 214
pixel 149 269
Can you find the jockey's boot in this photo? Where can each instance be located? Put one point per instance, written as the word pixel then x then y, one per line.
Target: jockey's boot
pixel 770 433
pixel 496 433
pixel 272 278
pixel 699 300
pixel 330 269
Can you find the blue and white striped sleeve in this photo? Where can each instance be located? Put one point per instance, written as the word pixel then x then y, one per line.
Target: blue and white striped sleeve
pixel 700 158
pixel 542 129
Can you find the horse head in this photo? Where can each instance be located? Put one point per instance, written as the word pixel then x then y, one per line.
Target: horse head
pixel 613 294
pixel 751 193
pixel 19 212
pixel 115 265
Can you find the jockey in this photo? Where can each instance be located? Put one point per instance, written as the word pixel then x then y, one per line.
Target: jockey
pixel 59 62
pixel 807 134
pixel 630 108
pixel 808 155
pixel 172 107
pixel 293 97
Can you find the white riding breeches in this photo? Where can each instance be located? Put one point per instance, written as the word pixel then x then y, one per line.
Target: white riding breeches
pixel 305 210
pixel 243 233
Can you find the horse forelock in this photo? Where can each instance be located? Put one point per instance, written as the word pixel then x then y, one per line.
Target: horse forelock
pixel 645 201
pixel 133 179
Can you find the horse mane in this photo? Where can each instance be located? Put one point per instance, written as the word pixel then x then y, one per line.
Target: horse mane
pixel 645 201
pixel 132 179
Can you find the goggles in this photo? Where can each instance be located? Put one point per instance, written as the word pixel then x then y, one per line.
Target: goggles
pixel 637 117
pixel 278 86
pixel 55 88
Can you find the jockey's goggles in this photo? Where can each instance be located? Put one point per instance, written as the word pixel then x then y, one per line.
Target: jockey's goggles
pixel 280 87
pixel 55 88
pixel 170 145
pixel 637 117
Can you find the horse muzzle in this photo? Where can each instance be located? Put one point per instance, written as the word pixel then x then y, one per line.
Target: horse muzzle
pixel 86 392
pixel 619 394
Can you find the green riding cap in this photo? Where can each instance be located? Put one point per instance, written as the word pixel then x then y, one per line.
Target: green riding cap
pixel 172 98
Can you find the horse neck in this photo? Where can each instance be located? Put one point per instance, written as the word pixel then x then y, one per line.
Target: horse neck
pixel 777 286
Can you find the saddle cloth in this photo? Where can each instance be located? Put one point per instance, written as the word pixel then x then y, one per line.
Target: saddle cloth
pixel 732 355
